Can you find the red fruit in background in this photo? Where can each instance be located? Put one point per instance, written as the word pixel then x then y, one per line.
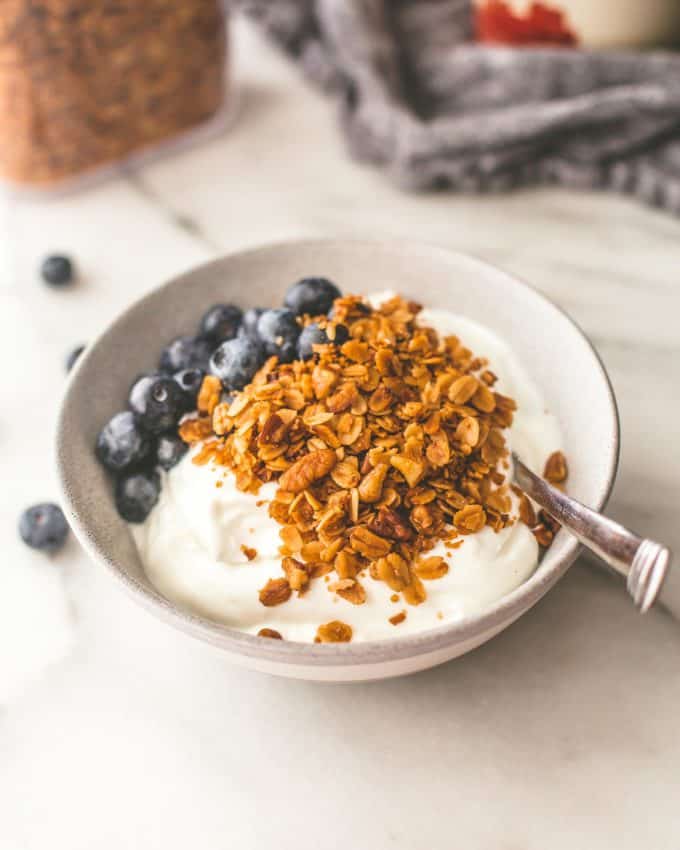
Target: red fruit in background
pixel 497 22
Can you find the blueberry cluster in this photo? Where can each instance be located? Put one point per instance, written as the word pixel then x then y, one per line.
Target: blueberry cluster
pixel 230 344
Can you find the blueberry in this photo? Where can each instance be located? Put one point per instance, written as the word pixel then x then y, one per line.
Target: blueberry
pixel 190 381
pixel 57 270
pixel 121 443
pixel 221 322
pixel 278 331
pixel 157 402
pixel 312 335
pixel 236 361
pixel 136 494
pixel 186 352
pixel 43 527
pixel 170 450
pixel 250 320
pixel 311 295
pixel 72 356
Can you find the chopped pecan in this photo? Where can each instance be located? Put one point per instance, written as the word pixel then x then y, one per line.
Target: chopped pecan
pixel 388 523
pixel 276 591
pixel 308 469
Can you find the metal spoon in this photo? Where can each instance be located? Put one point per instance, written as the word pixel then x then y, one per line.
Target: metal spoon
pixel 643 563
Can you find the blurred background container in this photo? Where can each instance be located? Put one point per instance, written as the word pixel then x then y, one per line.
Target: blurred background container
pixel 85 84
pixel 586 23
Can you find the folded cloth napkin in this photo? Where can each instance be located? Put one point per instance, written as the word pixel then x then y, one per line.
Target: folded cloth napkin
pixel 436 111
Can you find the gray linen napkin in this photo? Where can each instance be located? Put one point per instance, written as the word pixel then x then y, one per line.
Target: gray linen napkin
pixel 437 112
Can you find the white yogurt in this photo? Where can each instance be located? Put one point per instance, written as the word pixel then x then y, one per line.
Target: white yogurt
pixel 190 545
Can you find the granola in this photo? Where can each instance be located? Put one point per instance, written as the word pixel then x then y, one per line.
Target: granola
pixel 380 447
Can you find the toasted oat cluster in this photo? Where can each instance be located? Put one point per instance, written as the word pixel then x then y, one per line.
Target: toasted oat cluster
pixel 381 446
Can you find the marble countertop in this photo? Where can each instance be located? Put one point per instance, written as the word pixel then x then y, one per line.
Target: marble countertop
pixel 118 732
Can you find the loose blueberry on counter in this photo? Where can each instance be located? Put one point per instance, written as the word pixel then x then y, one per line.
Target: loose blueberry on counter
pixel 157 402
pixel 236 361
pixel 122 443
pixel 312 296
pixel 72 356
pixel 312 335
pixel 186 352
pixel 278 331
pixel 190 381
pixel 136 494
pixel 57 270
pixel 250 320
pixel 43 527
pixel 170 450
pixel 221 322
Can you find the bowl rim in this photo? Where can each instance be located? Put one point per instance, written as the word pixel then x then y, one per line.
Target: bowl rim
pixel 504 611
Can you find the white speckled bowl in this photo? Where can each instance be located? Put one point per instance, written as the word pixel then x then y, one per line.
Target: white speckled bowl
pixel 557 354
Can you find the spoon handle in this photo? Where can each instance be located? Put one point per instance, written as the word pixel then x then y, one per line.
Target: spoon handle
pixel 643 563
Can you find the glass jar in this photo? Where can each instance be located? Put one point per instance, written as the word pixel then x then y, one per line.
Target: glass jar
pixel 84 85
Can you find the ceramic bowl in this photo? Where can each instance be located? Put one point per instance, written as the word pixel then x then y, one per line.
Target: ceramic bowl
pixel 555 351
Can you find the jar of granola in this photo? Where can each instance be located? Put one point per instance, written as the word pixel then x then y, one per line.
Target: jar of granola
pixel 84 85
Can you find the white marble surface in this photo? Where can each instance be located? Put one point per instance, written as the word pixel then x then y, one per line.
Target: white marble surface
pixel 116 732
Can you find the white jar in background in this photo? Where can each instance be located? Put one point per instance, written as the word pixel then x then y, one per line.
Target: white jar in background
pixel 581 23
